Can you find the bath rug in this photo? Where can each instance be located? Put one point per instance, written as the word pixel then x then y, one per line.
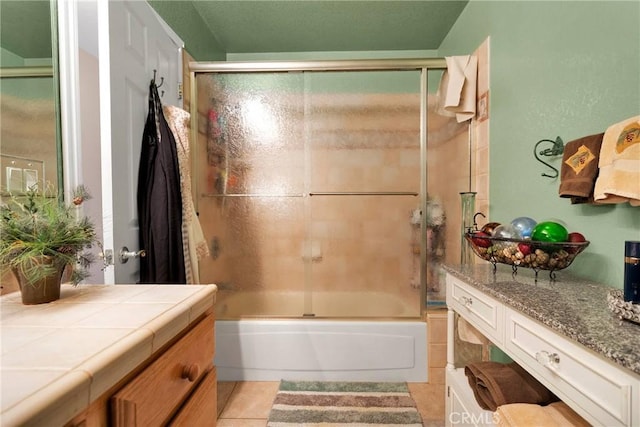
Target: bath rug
pixel 336 403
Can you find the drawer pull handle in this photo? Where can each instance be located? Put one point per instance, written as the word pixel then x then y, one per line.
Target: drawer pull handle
pixel 547 359
pixel 466 301
pixel 190 372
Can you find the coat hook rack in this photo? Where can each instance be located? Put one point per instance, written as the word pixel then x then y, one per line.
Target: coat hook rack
pixel 158 85
pixel 556 150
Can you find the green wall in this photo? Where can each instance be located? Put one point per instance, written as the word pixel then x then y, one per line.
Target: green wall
pixel 185 20
pixel 564 68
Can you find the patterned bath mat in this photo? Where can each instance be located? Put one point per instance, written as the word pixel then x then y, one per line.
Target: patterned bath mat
pixel 311 403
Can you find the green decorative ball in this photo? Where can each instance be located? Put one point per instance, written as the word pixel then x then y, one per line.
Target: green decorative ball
pixel 549 231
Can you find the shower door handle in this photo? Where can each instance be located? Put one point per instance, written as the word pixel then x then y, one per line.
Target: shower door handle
pixel 125 254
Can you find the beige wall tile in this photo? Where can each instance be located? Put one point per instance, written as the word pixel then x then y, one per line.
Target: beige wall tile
pixel 437 329
pixel 437 355
pixel 437 375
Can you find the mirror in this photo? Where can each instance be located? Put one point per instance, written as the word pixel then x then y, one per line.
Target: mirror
pixel 29 127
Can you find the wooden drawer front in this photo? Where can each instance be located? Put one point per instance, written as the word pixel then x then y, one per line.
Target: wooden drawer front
pixel 595 388
pixel 201 408
pixel 482 311
pixel 152 397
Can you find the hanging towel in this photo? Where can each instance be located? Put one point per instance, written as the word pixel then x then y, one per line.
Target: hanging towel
pixel 579 168
pixel 457 91
pixel 494 384
pixel 193 242
pixel 159 200
pixel 468 333
pixel 619 177
pixel 557 414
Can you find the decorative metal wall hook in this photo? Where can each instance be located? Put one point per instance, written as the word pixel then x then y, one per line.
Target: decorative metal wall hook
pixel 154 80
pixel 556 150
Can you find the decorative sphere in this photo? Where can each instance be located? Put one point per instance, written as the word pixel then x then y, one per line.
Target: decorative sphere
pixel 489 227
pixel 505 231
pixel 524 225
pixel 549 231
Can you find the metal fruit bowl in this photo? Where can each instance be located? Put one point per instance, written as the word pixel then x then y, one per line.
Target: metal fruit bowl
pixel 525 253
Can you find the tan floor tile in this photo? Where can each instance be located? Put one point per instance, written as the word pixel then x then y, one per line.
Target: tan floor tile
pixel 241 422
pixel 433 423
pixel 429 399
pixel 251 400
pixel 224 392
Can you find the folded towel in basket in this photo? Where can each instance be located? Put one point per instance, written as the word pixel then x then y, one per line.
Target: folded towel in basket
pixel 579 168
pixel 557 414
pixel 495 384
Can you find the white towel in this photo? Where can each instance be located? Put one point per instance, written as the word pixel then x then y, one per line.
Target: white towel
pixel 457 91
pixel 619 175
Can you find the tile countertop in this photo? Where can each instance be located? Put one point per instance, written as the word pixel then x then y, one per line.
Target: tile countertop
pixel 576 308
pixel 57 358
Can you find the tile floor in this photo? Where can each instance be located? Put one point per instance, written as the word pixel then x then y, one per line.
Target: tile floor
pixel 247 404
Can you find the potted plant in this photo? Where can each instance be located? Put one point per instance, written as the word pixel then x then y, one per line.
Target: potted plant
pixel 40 237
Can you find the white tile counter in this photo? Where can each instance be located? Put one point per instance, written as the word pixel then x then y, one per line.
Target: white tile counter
pixel 57 358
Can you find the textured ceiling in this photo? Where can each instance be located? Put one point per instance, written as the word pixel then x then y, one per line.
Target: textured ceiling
pixel 213 28
pixel 241 26
pixel 303 26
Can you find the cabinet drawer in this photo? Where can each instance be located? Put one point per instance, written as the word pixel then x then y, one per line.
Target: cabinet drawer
pixel 201 408
pixel 482 311
pixel 599 391
pixel 153 396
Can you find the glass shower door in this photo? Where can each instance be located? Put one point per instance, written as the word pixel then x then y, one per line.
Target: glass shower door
pixel 250 183
pixel 308 189
pixel 363 133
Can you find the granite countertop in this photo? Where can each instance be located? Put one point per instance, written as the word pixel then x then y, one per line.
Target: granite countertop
pixel 575 308
pixel 58 358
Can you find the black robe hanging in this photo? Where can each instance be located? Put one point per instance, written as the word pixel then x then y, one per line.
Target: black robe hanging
pixel 159 200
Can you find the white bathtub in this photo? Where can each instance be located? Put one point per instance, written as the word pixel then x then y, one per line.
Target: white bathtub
pixel 235 305
pixel 317 349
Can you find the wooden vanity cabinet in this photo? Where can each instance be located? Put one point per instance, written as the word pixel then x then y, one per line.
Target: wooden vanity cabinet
pixel 175 386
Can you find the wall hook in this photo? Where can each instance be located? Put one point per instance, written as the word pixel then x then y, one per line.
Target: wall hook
pixel 154 79
pixel 556 150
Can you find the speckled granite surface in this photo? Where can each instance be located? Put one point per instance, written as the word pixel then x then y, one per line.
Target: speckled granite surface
pixel 573 307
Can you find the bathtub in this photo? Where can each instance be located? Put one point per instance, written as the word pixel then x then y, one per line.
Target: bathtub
pixel 316 349
pixel 233 305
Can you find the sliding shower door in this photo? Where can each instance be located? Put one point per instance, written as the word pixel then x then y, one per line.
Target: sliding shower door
pixel 363 134
pixel 308 188
pixel 250 185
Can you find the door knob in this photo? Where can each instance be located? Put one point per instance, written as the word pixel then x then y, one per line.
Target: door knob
pixel 125 254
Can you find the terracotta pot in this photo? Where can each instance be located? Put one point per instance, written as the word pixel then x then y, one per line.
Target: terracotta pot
pixel 44 290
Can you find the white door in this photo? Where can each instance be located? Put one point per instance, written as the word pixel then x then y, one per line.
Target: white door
pixel 133 42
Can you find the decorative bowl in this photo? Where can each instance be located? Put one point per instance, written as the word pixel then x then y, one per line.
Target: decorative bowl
pixel 525 253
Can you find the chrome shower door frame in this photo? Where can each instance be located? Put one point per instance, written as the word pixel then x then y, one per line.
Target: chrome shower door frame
pixel 408 64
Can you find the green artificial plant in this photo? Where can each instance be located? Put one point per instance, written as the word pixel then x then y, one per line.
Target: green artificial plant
pixel 38 224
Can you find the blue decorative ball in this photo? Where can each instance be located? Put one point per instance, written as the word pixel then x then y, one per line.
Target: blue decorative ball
pixel 524 226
